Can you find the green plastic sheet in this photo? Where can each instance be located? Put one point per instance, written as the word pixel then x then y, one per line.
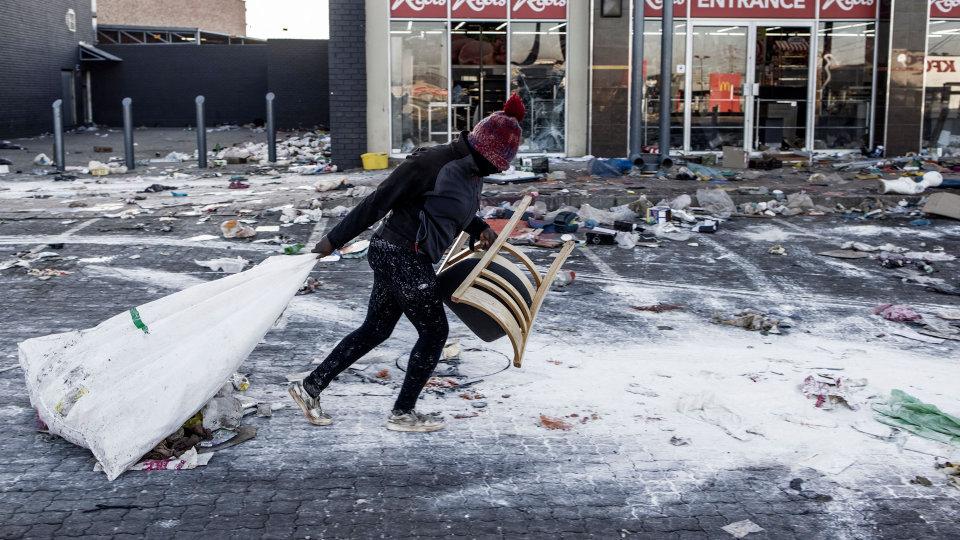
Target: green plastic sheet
pixel 909 413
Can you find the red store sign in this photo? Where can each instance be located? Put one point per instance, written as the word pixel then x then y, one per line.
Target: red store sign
pixel 539 9
pixel 654 8
pixel 479 9
pixel 418 9
pixel 945 9
pixel 754 9
pixel 848 9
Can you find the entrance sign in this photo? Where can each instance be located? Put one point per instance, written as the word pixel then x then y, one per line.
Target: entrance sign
pixel 754 9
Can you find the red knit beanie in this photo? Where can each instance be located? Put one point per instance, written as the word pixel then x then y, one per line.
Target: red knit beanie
pixel 497 137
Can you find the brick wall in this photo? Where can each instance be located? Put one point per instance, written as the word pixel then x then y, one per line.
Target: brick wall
pixel 297 73
pixel 35 45
pixel 223 16
pixel 348 81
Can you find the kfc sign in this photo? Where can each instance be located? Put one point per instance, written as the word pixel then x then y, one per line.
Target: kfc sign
pixel 479 9
pixel 945 9
pixel 754 9
pixel 418 9
pixel 539 9
pixel 654 8
pixel 848 9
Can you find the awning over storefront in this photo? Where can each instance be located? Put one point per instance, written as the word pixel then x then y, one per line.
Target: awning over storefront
pixel 89 53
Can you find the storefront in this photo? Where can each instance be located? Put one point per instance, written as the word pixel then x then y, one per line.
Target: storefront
pixel 760 74
pixel 941 116
pixel 451 63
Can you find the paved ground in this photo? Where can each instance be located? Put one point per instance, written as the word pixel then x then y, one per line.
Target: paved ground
pixel 499 473
pixel 751 446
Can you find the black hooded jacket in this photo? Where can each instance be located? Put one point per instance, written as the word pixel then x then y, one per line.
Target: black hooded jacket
pixel 430 197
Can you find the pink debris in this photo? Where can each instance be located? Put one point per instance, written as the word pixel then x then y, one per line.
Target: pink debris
pixel 898 313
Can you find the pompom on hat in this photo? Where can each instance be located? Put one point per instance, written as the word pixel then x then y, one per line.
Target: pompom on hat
pixel 497 137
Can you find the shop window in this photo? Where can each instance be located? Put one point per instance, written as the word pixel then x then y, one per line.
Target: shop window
pixel 538 71
pixel 941 117
pixel 418 85
pixel 718 74
pixel 651 93
pixel 844 81
pixel 478 56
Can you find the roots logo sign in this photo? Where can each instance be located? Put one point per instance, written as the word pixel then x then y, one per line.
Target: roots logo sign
pixel 848 9
pixel 945 9
pixel 655 7
pixel 482 9
pixel 540 9
pixel 419 9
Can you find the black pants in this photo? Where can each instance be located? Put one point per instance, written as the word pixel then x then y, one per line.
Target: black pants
pixel 404 283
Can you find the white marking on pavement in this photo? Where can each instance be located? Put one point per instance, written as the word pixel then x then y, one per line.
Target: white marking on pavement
pixel 120 240
pixel 604 268
pixel 60 238
pixel 754 273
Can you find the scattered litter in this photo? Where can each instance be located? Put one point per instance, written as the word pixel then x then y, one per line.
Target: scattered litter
pixel 706 407
pixel 741 529
pixel 230 266
pixel 903 411
pixel 189 460
pixel 46 273
pixel 777 249
pixel 679 441
pixel 552 423
pixel 830 390
pixel 897 313
pixel 234 229
pixel 659 308
pixel 756 321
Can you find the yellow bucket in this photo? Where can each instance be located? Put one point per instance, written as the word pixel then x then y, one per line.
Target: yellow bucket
pixel 373 161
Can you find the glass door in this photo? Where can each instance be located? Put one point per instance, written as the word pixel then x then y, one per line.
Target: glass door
pixel 478 68
pixel 780 87
pixel 719 56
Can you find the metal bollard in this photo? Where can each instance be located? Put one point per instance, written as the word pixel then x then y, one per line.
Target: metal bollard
pixel 271 130
pixel 59 155
pixel 128 133
pixel 201 134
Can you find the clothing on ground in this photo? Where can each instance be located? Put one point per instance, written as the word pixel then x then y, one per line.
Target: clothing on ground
pixel 403 283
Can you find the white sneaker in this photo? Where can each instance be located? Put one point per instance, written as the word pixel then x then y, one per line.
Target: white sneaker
pixel 309 405
pixel 414 422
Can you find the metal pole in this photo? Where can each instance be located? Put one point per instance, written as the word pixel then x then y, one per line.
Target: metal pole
pixel 201 134
pixel 666 75
pixel 128 133
pixel 636 82
pixel 271 130
pixel 58 151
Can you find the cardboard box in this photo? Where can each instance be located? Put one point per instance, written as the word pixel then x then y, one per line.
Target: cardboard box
pixel 943 204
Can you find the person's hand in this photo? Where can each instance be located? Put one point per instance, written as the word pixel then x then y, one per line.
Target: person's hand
pixel 487 237
pixel 323 248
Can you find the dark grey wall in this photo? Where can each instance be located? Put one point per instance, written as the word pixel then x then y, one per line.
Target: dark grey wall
pixel 297 74
pixel 35 45
pixel 348 82
pixel 163 81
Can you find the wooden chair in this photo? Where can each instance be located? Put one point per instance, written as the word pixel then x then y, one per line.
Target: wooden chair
pixel 498 288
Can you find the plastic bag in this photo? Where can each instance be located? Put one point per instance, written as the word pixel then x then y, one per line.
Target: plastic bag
pixel 907 412
pixel 123 386
pixel 717 202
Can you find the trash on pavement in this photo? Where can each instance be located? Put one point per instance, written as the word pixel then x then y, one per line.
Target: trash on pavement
pixel 189 460
pixel 199 335
pixel 777 249
pixel 43 274
pixel 897 313
pixel 754 320
pixel 157 188
pixel 903 411
pixel 829 390
pixel 908 186
pixel 943 204
pixel 741 529
pixel 716 202
pixel 845 254
pixel 329 184
pixel 706 407
pixel 552 423
pixel 234 229
pixel 228 265
pixel 42 160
